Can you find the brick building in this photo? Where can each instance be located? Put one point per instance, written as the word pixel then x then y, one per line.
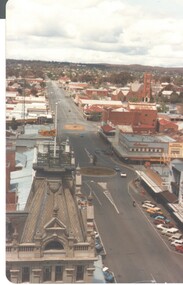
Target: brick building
pixel 92 93
pixel 141 116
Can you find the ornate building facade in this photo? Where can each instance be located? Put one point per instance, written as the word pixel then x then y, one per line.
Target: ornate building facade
pixel 53 239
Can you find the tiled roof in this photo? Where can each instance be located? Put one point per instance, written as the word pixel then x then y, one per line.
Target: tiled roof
pixel 107 128
pixel 41 209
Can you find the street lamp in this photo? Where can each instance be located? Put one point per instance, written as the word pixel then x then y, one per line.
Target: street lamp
pixel 55 138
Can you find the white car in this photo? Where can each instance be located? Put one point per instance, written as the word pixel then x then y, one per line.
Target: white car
pixel 172 231
pixel 177 242
pixel 162 227
pixel 122 174
pixel 175 237
pixel 148 205
pixel 147 202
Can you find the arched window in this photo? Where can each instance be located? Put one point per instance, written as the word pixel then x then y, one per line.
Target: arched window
pixel 54 245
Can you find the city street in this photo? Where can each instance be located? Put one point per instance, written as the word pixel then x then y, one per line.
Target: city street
pixel 134 250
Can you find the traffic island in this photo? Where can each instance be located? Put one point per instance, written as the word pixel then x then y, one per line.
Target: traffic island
pixel 97 171
pixel 74 127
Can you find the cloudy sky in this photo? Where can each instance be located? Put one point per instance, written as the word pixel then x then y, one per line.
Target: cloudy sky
pixel 148 32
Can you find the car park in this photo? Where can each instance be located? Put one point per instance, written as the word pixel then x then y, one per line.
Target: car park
pixel 179 248
pixel 177 242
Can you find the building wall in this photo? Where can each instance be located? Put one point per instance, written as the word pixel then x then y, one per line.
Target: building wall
pixel 139 146
pixel 139 119
pixel 96 92
pixel 47 272
pixel 176 150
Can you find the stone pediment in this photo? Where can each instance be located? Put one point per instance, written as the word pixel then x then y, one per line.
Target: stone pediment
pixel 54 224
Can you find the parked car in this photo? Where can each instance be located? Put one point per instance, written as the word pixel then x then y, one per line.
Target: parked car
pixel 148 205
pixel 108 275
pixel 175 236
pixel 154 215
pixel 179 248
pixel 164 226
pixel 98 246
pixel 154 210
pixel 158 221
pixel 122 174
pixel 148 202
pixel 177 242
pixel 160 217
pixel 172 230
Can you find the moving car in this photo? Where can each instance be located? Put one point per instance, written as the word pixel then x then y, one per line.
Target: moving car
pixel 122 174
pixel 116 168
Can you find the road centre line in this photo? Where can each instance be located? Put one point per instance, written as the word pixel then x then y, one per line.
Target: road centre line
pixel 109 197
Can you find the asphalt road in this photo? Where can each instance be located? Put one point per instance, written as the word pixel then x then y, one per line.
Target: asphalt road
pixel 135 250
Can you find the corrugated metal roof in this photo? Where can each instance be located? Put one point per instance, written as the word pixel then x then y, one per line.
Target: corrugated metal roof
pixel 22 179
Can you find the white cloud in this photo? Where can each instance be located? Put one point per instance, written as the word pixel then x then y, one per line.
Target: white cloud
pixel 114 31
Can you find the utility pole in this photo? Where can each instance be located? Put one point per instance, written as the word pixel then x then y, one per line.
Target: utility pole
pixel 55 138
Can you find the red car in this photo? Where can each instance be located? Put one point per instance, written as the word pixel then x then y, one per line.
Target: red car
pixel 163 222
pixel 179 248
pixel 158 221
